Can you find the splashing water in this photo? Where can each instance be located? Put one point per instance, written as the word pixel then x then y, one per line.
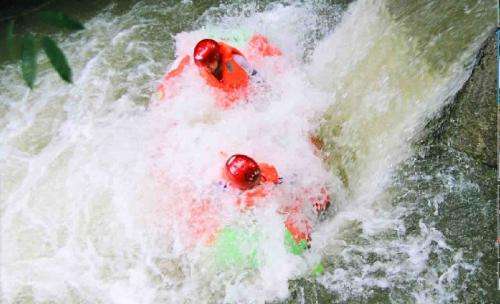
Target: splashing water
pixel 94 183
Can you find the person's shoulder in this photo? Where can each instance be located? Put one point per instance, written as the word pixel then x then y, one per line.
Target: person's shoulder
pixel 229 49
pixel 185 60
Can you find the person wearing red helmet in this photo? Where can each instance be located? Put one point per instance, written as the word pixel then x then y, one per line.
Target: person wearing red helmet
pixel 217 58
pixel 257 180
pixel 224 67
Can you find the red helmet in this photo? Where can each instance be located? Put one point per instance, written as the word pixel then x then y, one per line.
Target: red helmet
pixel 205 52
pixel 243 171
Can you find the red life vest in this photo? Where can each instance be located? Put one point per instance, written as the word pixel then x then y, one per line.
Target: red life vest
pixel 234 79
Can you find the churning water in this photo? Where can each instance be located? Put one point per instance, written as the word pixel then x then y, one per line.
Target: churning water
pixel 97 176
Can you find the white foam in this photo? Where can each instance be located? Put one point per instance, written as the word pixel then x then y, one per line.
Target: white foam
pixel 85 215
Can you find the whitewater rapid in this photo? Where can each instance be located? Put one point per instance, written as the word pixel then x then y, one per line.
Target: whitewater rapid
pixel 85 218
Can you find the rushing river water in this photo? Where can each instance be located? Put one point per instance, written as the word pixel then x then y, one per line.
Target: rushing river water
pixel 86 219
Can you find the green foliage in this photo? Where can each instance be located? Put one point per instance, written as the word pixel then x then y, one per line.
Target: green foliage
pixel 60 20
pixel 28 59
pixel 9 38
pixel 57 58
pixel 29 43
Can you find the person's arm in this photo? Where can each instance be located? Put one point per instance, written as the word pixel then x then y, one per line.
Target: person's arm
pixel 242 61
pixel 173 73
pixel 178 70
pixel 260 45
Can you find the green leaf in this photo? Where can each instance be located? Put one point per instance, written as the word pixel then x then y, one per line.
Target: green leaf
pixel 60 20
pixel 57 58
pixel 9 38
pixel 28 59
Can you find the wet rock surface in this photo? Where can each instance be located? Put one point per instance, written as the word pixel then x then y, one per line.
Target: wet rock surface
pixel 448 187
pixel 452 179
pixel 469 124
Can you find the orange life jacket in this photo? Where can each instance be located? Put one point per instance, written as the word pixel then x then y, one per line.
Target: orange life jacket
pixel 234 80
pixel 269 176
pixel 296 222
